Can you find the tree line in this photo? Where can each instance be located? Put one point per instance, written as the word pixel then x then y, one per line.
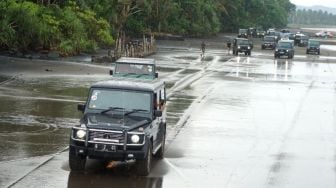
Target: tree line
pixel 312 17
pixel 74 26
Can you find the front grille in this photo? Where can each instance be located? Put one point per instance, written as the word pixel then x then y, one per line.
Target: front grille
pixel 106 136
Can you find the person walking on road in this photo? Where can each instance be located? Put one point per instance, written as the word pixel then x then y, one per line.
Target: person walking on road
pixel 202 50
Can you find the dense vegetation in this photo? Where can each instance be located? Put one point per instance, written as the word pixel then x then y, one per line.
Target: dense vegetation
pixel 72 26
pixel 310 17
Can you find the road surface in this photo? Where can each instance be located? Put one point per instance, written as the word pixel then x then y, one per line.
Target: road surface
pixel 234 122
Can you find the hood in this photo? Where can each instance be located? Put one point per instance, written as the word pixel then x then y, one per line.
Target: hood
pixel 115 121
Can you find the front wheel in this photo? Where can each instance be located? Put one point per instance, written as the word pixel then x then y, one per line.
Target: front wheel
pixel 143 166
pixel 160 153
pixel 76 162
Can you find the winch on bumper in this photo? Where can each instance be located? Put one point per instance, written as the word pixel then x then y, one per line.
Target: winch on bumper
pixel 108 144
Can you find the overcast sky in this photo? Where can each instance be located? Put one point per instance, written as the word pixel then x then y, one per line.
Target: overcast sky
pixel 326 3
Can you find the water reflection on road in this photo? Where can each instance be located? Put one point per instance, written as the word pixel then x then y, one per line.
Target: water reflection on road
pixel 108 179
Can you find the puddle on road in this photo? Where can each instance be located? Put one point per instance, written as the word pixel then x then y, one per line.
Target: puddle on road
pixel 189 71
pixel 34 127
pixel 187 57
pixel 224 59
pixel 21 141
pixel 167 69
pixel 176 106
pixel 329 47
pixel 54 87
pixel 108 179
pixel 3 78
pixel 32 123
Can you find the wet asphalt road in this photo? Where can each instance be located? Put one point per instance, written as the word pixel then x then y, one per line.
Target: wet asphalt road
pixel 233 122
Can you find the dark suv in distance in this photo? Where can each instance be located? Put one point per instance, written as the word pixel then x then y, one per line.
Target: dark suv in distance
pixel 142 68
pixel 243 33
pixel 242 45
pixel 269 42
pixel 303 41
pixel 124 120
pixel 284 48
pixel 313 47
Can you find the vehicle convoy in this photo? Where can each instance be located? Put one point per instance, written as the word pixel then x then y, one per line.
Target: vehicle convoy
pixel 313 47
pixel 124 121
pixel 143 68
pixel 284 48
pixel 242 45
pixel 268 42
pixel 242 33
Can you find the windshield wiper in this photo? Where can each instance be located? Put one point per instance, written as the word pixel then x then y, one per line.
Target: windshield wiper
pixel 143 74
pixel 134 110
pixel 111 109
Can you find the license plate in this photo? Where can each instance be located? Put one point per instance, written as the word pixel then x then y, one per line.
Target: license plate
pixel 105 147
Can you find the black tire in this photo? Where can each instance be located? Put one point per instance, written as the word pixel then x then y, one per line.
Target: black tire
pixel 76 162
pixel 318 53
pixel 160 153
pixel 275 56
pixel 249 53
pixel 262 47
pixel 143 167
pixel 245 53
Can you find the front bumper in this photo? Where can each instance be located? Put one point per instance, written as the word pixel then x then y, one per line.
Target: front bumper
pixel 108 151
pixel 313 50
pixel 282 53
pixel 243 50
pixel 267 45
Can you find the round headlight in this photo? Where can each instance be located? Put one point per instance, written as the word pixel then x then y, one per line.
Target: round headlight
pixel 135 138
pixel 80 134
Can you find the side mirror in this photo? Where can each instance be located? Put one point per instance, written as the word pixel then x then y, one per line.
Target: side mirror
pixel 156 75
pixel 157 113
pixel 81 107
pixel 111 72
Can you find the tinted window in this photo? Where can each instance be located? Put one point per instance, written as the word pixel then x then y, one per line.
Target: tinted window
pixel 134 68
pixel 286 45
pixel 106 98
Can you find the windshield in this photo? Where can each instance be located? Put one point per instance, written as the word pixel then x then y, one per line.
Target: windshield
pixel 286 45
pixel 242 30
pixel 269 39
pixel 243 42
pixel 314 43
pixel 103 99
pixel 128 68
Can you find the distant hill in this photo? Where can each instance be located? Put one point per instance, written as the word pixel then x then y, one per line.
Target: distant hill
pixel 328 9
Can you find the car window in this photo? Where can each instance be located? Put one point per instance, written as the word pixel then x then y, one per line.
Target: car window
pixel 102 99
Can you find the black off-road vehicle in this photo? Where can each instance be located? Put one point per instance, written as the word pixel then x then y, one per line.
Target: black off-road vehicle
pixel 313 47
pixel 128 67
pixel 123 121
pixel 242 33
pixel 269 42
pixel 284 48
pixel 242 45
